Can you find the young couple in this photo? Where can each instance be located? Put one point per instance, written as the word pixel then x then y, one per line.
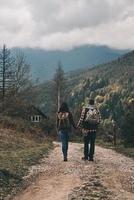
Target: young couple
pixel 88 123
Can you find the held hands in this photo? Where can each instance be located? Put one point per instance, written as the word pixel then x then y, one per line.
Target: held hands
pixel 78 128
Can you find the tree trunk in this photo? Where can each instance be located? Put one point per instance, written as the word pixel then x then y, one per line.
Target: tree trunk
pixel 58 98
pixel 3 74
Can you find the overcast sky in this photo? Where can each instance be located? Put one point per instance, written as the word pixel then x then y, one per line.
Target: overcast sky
pixel 63 24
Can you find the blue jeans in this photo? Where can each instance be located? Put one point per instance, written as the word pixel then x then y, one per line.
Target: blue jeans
pixel 64 137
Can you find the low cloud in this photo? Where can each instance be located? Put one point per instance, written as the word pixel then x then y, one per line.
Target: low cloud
pixel 60 24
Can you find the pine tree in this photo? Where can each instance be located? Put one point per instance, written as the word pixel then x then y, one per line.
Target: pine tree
pixel 6 71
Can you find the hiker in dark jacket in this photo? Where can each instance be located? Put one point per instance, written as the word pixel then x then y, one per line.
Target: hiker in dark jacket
pixel 88 123
pixel 64 123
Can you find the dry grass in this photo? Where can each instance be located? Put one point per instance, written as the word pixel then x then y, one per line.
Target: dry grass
pixel 18 151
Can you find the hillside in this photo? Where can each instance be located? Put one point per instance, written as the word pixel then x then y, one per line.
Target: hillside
pixel 117 67
pixel 112 86
pixel 18 151
pixel 44 62
pixel 118 71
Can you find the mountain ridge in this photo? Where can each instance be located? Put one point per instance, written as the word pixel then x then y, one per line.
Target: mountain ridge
pixel 44 62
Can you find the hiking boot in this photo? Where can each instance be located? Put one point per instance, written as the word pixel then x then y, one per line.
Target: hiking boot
pixel 83 158
pixel 65 159
pixel 91 159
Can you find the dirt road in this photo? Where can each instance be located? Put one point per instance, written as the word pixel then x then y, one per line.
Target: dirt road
pixel 110 176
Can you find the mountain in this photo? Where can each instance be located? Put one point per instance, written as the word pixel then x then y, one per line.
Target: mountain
pixel 44 62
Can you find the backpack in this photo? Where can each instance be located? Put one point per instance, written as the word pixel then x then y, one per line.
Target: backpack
pixel 91 118
pixel 64 122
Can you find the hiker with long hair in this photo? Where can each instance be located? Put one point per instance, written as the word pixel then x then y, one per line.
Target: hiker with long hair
pixel 64 123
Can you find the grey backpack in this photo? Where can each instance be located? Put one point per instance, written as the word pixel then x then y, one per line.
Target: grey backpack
pixel 92 116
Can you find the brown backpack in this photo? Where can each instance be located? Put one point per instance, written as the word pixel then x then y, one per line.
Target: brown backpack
pixel 64 122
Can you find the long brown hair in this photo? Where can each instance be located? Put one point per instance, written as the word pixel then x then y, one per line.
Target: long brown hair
pixel 64 107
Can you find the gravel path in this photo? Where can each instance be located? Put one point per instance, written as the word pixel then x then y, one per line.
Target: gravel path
pixel 109 177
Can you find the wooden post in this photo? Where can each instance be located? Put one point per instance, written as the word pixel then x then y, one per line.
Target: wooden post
pixel 114 133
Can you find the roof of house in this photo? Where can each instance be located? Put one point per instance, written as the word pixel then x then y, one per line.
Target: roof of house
pixel 35 110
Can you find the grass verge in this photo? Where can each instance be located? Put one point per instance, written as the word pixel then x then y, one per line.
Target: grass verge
pixel 127 151
pixel 17 153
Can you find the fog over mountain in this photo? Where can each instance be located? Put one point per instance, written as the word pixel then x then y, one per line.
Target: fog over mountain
pixel 44 62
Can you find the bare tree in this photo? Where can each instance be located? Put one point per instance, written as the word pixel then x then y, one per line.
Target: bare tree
pixel 58 86
pixel 14 80
pixel 22 73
